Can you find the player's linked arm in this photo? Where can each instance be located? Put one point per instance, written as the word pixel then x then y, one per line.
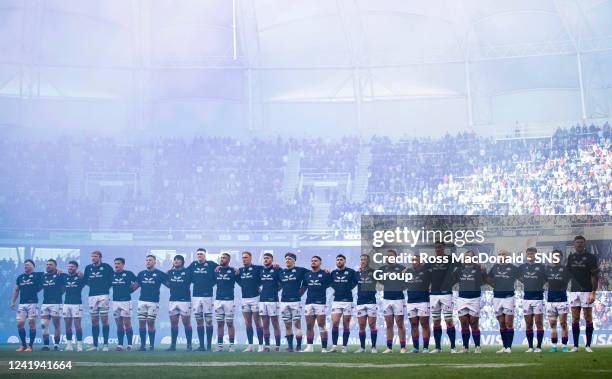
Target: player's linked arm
pixel 14 297
pixel 594 283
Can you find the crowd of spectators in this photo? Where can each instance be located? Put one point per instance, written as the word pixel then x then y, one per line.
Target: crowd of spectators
pixel 334 156
pixel 215 183
pixel 568 173
pixel 231 184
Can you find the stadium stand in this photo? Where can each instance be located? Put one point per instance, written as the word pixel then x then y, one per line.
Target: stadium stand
pixel 228 184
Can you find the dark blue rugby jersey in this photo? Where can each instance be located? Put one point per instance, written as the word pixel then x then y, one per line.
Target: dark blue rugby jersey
pixel 316 284
pixel 250 280
pixel 291 281
pixel 533 277
pixel 29 285
pixel 99 278
pixel 557 278
pixel 443 277
pixel 343 282
pixel 270 284
pixel 226 278
pixel 417 288
pixel 122 282
pixel 150 282
pixel 503 277
pixel 53 287
pixel 580 267
pixel 203 277
pixel 470 279
pixel 393 289
pixel 179 283
pixel 366 288
pixel 74 289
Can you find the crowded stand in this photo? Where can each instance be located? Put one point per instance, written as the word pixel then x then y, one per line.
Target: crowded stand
pixel 228 184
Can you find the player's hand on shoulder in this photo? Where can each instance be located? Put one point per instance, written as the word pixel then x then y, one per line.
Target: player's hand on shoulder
pixel 275 265
pixel 328 271
pixel 237 271
pixel 218 268
pixel 80 275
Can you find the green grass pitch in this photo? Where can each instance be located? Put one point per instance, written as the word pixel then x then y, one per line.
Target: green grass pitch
pixel 159 364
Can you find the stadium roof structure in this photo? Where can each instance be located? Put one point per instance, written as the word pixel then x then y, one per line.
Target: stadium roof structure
pixel 304 66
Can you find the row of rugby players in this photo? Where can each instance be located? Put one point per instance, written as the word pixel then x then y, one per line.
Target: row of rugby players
pixel 429 293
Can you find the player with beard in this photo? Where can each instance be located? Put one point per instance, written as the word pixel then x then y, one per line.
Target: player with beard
pixel 417 307
pixel 471 278
pixel 73 308
pixel 533 277
pixel 366 303
pixel 584 270
pixel 268 301
pixel 557 278
pixel 393 304
pixel 502 278
pixel 316 282
pixel 99 277
pixel 443 275
pixel 179 305
pixel 344 279
pixel 225 308
pixel 54 285
pixel 149 281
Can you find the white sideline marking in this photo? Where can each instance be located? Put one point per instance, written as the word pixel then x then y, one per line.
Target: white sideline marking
pixel 304 364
